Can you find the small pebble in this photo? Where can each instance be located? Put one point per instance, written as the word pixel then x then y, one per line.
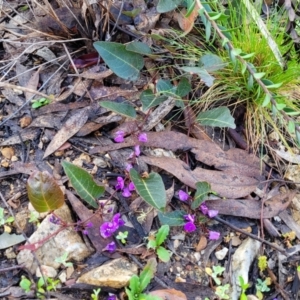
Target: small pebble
pixel 220 255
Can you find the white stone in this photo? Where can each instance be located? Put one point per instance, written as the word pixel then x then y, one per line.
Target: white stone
pixel 67 240
pixel 115 274
pixel 220 255
pixel 47 272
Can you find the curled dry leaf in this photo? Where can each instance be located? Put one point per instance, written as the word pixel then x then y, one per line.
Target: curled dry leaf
pixel 169 294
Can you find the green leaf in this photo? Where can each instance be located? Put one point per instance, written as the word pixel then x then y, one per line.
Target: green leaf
pixel 203 189
pixel 298 137
pixel 164 6
pixel 245 56
pixel 134 285
pixel 218 117
pixel 250 82
pixel 212 62
pixel 207 31
pixel 139 47
pixel 190 7
pixel 25 284
pixel 270 85
pixel 83 183
pixel 124 109
pixel 163 254
pixel 204 75
pixel 165 86
pixel 148 273
pixel 151 244
pixel 162 234
pixel 183 87
pixel 236 52
pixel 126 64
pixel 43 192
pixel 151 189
pixel 266 100
pixel 173 218
pixel 149 100
pixel 259 75
pixel 214 15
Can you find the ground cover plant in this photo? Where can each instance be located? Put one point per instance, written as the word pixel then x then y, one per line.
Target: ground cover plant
pixel 149 149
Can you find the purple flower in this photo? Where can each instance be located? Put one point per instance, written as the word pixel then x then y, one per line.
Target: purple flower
pixel 112 297
pixel 190 218
pixel 143 137
pixel 119 138
pixel 128 167
pixel 54 220
pixel 108 228
pixel 183 196
pixel 131 186
pixel 212 213
pixel 111 247
pixel 118 220
pixel 120 185
pixel 204 208
pixel 126 193
pixel 189 227
pixel 214 235
pixel 137 150
pixel 89 224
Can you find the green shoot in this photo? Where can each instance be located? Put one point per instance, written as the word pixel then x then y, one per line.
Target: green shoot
pixel 3 219
pixel 222 291
pixel 122 236
pixel 262 287
pixel 63 260
pixel 95 294
pixel 154 242
pixel 25 284
pixel 40 102
pixel 244 287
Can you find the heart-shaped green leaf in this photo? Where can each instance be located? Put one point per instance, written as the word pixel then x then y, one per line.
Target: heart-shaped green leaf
pixel 43 192
pixel 203 189
pixel 151 189
pixel 149 100
pixel 83 183
pixel 217 117
pixel 124 109
pixel 126 64
pixel 173 218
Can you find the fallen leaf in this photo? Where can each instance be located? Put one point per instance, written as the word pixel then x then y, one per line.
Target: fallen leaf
pixel 32 84
pixel 187 23
pixel 201 244
pixel 71 127
pixel 169 294
pixel 226 185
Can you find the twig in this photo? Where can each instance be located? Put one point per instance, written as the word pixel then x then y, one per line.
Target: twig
pixel 274 246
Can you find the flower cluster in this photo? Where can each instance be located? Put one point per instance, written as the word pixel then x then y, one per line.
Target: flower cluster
pixel 211 213
pixel 126 190
pixel 54 220
pixel 108 228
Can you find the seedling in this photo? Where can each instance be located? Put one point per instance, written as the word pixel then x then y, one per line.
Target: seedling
pixel 50 286
pixel 25 284
pixel 63 260
pixel 95 294
pixel 40 102
pixel 215 272
pixel 34 217
pixel 138 284
pixel 122 236
pixel 262 287
pixel 244 287
pixel 156 241
pixel 4 220
pixel 222 291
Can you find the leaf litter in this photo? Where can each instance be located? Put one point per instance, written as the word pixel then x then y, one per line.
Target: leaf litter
pixel 234 175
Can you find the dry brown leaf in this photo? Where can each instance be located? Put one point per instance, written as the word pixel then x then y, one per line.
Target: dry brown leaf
pixel 201 244
pixel 226 185
pixel 187 23
pixel 252 208
pixel 169 294
pixel 71 127
pixel 32 84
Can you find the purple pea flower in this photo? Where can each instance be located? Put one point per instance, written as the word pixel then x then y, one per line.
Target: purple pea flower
pixel 54 220
pixel 137 150
pixel 214 235
pixel 204 208
pixel 116 219
pixel 89 224
pixel 183 196
pixel 119 138
pixel 126 193
pixel 189 227
pixel 120 185
pixel 128 167
pixel 107 229
pixel 112 297
pixel 212 213
pixel 189 218
pixel 131 186
pixel 111 247
pixel 143 137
